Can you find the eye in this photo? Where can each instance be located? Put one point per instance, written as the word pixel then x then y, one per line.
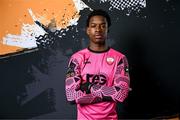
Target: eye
pixel 93 25
pixel 103 26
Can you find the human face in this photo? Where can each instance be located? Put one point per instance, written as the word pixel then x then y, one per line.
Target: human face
pixel 97 30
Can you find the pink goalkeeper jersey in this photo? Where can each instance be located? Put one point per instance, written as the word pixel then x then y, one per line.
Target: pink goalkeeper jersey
pixel 108 71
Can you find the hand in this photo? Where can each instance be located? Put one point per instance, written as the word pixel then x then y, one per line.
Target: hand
pixel 86 87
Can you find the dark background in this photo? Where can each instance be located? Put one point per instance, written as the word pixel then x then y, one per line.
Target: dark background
pixel 32 84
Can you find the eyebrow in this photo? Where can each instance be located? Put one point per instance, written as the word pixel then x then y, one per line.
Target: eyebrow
pixel 96 23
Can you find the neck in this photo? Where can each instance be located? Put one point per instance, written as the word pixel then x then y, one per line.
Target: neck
pixel 98 47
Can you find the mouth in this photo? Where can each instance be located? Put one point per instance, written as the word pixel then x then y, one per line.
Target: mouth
pixel 98 36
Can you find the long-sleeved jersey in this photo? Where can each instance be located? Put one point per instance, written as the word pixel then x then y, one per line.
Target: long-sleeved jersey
pixel 107 76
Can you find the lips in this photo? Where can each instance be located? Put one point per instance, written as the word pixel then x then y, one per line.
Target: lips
pixel 98 36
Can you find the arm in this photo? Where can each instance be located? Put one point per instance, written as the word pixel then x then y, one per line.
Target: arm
pixel 77 91
pixel 73 80
pixel 87 93
pixel 120 89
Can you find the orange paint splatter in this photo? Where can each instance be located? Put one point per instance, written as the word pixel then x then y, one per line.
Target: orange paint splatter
pixel 45 10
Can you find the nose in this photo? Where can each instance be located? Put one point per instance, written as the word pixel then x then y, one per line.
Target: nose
pixel 98 28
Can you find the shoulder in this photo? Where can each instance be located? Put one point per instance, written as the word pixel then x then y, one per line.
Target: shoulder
pixel 79 55
pixel 121 58
pixel 116 53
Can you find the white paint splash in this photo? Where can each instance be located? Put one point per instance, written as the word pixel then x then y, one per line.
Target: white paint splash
pixel 73 22
pixel 27 37
pixel 80 5
pixel 32 15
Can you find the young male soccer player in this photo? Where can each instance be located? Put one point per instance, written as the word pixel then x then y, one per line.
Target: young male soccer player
pixel 97 76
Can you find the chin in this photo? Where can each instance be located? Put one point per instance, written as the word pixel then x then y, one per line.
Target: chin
pixel 100 41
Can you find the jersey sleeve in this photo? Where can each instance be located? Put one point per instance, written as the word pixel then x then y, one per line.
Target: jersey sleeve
pixel 73 80
pixel 73 84
pixel 119 90
pixel 121 81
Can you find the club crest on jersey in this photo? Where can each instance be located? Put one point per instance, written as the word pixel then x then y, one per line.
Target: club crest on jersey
pixel 110 60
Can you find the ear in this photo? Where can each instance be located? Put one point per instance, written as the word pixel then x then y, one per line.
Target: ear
pixel 87 30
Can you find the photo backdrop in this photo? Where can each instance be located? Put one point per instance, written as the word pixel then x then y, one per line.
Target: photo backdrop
pixel 37 39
